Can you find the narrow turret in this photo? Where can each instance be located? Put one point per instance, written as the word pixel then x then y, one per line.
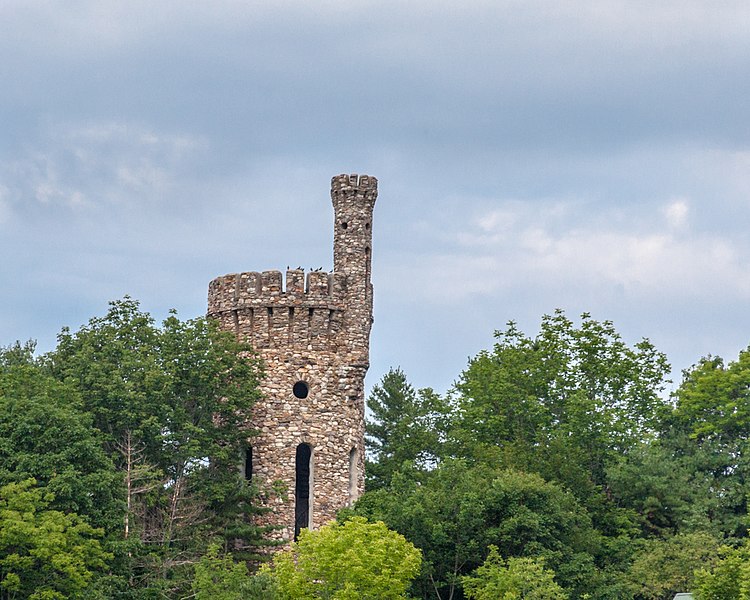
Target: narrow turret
pixel 353 199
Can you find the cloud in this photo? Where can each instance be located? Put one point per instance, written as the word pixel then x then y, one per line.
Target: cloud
pixel 94 165
pixel 550 245
pixel 530 153
pixel 676 213
pixel 5 209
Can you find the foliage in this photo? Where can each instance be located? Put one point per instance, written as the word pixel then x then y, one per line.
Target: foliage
pixel 557 449
pixel 17 354
pixel 565 403
pixel 714 399
pixel 221 578
pixel 44 554
pixel 666 483
pixel 729 579
pixel 713 406
pixel 459 511
pixel 354 560
pixel 171 402
pixel 662 568
pixel 404 427
pixel 514 579
pixel 45 435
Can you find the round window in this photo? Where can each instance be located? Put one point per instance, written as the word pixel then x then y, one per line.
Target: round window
pixel 300 389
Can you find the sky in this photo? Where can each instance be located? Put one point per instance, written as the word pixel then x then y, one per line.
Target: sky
pixel 588 155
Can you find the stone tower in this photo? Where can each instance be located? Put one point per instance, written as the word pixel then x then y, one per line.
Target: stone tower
pixel 313 333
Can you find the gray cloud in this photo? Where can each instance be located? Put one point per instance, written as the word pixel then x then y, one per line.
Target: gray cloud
pixel 586 155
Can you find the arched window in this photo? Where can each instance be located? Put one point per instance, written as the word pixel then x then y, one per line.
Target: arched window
pixel 303 488
pixel 353 475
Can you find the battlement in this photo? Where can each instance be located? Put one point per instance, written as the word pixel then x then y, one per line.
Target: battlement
pixel 315 288
pixel 307 313
pixel 363 186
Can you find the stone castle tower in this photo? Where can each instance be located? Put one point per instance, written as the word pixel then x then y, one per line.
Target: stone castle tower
pixel 313 334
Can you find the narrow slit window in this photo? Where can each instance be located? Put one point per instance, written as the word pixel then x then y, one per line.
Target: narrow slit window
pixel 353 475
pixel 249 463
pixel 302 489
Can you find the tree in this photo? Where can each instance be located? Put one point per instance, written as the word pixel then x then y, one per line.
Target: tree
pixel 666 483
pixel 457 512
pixel 729 579
pixel 45 435
pixel 354 560
pixel 714 399
pixel 566 403
pixel 514 579
pixel 219 577
pixel 172 403
pixel 44 554
pixel 662 568
pixel 713 407
pixel 405 426
pixel 17 354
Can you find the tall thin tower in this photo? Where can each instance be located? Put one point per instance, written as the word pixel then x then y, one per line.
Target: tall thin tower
pixel 313 334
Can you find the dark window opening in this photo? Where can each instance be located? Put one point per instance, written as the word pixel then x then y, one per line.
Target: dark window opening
pixel 249 463
pixel 353 473
pixel 300 390
pixel 344 225
pixel 367 226
pixel 302 489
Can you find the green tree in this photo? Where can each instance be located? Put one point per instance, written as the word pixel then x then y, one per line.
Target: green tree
pixel 714 398
pixel 713 407
pixel 729 579
pixel 457 512
pixel 662 568
pixel 219 577
pixel 514 579
pixel 45 435
pixel 581 384
pixel 567 403
pixel 17 354
pixel 172 402
pixel 405 426
pixel 667 484
pixel 354 560
pixel 44 554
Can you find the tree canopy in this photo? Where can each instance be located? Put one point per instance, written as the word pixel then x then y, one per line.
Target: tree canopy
pixel 45 554
pixel 557 467
pixel 564 447
pixel 353 560
pixel 137 428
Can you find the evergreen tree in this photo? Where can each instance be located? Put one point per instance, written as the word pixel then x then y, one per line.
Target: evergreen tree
pixel 405 426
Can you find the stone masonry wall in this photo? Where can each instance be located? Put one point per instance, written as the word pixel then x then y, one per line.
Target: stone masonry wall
pixel 314 329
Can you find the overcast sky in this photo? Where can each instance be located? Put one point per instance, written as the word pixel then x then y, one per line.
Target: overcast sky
pixel 591 155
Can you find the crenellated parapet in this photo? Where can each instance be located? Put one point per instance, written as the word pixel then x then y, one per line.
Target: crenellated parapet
pixel 302 311
pixel 363 187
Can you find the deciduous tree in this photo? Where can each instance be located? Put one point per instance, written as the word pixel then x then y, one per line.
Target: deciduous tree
pixel 512 579
pixel 354 560
pixel 566 403
pixel 172 402
pixel 44 554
